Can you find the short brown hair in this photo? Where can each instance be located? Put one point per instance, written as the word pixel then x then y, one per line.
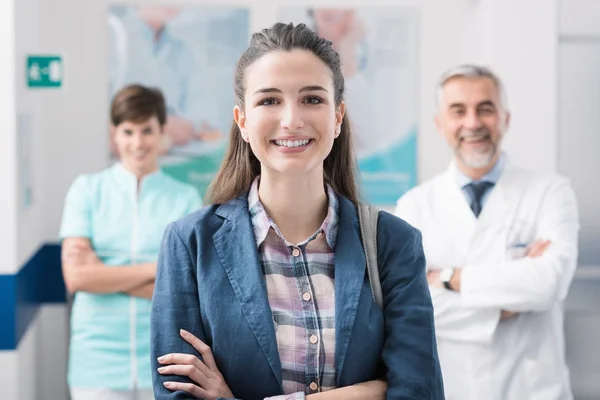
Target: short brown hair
pixel 137 103
pixel 240 166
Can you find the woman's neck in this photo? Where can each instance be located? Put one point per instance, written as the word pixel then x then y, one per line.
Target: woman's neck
pixel 298 205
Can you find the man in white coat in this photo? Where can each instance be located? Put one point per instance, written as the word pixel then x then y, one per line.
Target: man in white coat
pixel 501 249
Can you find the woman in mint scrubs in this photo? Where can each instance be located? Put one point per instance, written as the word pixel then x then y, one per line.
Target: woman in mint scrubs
pixel 111 230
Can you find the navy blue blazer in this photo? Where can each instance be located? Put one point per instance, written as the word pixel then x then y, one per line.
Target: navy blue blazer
pixel 210 282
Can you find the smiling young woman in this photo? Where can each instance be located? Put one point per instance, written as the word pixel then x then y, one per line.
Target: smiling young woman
pixel 264 294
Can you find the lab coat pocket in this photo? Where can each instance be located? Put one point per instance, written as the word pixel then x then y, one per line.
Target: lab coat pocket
pixel 516 251
pixel 519 235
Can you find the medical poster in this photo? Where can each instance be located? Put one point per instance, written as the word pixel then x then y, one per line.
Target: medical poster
pixel 378 50
pixel 190 54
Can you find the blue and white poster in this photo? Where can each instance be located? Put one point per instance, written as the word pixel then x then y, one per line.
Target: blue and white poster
pixel 190 54
pixel 378 49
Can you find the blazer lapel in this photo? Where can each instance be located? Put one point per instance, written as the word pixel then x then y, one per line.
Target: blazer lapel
pixel 350 270
pixel 236 249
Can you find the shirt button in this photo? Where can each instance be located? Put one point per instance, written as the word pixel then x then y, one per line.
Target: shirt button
pixel 313 386
pixel 313 339
pixel 306 296
pixel 295 252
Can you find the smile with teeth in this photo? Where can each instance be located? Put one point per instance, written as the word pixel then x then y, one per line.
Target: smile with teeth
pixel 476 139
pixel 292 143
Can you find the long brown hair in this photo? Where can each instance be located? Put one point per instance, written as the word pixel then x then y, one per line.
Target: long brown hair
pixel 240 166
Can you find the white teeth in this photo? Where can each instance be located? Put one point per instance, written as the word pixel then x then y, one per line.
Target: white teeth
pixel 292 143
pixel 474 139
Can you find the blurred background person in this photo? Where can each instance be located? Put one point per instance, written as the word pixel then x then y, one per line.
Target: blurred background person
pixel 501 249
pixel 111 230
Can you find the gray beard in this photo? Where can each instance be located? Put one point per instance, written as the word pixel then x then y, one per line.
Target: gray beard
pixel 477 160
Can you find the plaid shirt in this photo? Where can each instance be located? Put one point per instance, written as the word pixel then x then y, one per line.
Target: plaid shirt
pixel 300 288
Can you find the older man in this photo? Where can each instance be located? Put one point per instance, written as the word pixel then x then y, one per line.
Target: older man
pixel 501 249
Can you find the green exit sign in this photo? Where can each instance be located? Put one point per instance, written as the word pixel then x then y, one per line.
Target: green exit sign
pixel 44 71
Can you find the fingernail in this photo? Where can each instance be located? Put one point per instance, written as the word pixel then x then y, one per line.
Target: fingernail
pixel 167 384
pixel 161 369
pixel 161 359
pixel 183 332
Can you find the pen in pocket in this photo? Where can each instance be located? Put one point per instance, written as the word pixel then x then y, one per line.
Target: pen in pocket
pixel 518 246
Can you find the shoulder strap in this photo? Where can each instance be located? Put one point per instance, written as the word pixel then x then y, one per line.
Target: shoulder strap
pixel 367 217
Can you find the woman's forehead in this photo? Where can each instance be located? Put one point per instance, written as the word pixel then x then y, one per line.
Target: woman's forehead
pixel 288 70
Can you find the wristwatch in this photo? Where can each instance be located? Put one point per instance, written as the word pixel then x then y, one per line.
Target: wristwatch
pixel 445 276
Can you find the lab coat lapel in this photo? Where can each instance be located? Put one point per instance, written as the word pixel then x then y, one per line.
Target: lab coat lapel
pixel 496 205
pixel 453 212
pixel 496 215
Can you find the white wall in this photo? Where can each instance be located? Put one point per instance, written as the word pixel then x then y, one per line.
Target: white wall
pixel 579 125
pixel 578 19
pixel 579 119
pixel 51 352
pixel 27 368
pixel 28 230
pixel 7 138
pixel 8 375
pixel 73 120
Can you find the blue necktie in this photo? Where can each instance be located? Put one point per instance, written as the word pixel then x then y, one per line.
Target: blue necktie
pixel 477 190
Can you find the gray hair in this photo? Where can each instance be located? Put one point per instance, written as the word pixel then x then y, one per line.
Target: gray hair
pixel 472 71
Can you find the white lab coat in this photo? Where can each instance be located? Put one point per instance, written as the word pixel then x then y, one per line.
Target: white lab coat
pixel 483 358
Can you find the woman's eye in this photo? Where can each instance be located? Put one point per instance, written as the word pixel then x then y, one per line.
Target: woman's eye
pixel 268 102
pixel 313 100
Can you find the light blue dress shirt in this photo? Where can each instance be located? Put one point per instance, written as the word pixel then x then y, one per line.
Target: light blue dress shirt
pixel 110 333
pixel 463 180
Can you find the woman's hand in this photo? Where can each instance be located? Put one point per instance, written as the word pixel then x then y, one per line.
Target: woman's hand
pixel 209 385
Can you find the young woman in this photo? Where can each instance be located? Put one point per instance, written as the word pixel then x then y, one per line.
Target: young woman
pixel 265 293
pixel 111 229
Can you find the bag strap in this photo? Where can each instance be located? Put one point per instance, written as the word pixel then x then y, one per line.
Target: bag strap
pixel 367 218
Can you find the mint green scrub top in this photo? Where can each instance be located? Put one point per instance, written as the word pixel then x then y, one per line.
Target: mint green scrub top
pixel 110 333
